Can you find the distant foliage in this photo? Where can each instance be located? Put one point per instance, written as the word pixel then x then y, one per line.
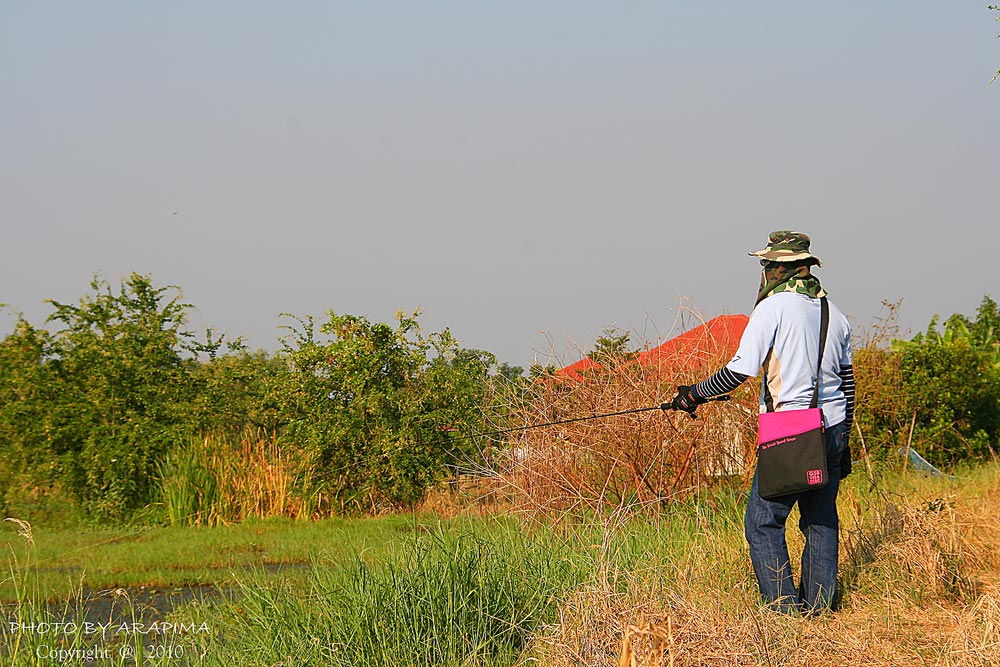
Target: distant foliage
pixel 104 395
pixel 952 385
pixel 612 348
pixel 102 407
pixel 376 406
pixel 938 392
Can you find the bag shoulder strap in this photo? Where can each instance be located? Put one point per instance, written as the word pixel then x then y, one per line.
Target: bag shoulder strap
pixel 824 324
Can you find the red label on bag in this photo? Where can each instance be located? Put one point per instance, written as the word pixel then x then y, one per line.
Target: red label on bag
pixel 814 477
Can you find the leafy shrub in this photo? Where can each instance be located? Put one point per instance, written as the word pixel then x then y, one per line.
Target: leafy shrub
pixel 27 465
pixel 241 392
pixel 944 386
pixel 375 404
pixel 97 403
pixel 94 407
pixel 952 385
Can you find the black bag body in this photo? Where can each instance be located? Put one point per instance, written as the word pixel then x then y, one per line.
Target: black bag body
pixel 791 444
pixel 791 452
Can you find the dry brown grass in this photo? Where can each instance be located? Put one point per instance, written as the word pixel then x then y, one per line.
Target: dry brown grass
pixel 906 635
pixel 257 478
pixel 921 573
pixel 883 414
pixel 683 632
pixel 469 495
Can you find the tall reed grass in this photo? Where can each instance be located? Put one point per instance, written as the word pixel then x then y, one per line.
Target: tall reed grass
pixel 215 480
pixel 475 597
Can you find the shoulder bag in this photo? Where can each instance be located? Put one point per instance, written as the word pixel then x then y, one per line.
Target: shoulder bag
pixel 791 444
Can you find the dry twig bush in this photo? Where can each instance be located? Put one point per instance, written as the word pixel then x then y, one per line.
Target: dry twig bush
pixel 642 459
pixel 883 414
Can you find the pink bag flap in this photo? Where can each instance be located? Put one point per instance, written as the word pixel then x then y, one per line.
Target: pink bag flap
pixel 774 425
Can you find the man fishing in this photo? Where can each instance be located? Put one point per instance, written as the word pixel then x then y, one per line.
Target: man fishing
pixel 783 338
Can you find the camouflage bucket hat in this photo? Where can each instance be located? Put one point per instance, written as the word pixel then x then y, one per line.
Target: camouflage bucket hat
pixel 786 246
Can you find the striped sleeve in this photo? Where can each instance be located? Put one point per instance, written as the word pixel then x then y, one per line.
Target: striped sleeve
pixel 846 374
pixel 722 382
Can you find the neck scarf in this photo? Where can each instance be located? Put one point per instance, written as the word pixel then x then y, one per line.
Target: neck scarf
pixel 789 277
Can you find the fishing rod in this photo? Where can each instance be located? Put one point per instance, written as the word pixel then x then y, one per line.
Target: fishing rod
pixel 450 438
pixel 514 429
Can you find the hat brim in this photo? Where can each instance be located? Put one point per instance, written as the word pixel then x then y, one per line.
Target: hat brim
pixel 784 256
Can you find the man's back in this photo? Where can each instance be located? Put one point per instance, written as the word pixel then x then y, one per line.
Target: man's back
pixel 783 338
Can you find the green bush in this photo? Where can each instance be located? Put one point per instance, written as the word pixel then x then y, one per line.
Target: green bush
pixel 375 404
pixel 28 465
pixel 241 392
pixel 94 406
pixel 951 387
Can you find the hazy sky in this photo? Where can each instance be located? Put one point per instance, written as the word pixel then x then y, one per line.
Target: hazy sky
pixel 521 171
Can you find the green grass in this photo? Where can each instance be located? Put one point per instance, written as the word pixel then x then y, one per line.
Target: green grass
pixel 65 560
pixel 451 597
pixel 381 591
pixel 471 593
pixel 495 591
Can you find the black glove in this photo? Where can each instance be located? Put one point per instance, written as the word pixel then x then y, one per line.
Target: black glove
pixel 686 399
pixel 845 459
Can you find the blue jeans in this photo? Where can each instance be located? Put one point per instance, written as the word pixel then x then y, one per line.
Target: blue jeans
pixel 765 533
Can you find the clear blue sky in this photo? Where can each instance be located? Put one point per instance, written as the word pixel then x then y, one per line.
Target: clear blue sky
pixel 511 168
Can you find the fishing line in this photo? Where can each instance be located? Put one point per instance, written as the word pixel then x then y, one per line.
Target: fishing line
pixel 515 429
pixel 328 474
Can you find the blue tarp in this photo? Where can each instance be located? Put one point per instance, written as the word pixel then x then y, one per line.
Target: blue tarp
pixel 920 463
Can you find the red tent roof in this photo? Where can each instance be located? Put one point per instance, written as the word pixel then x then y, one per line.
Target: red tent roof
pixel 574 369
pixel 719 337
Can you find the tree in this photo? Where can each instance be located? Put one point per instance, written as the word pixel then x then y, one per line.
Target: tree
pixel 26 460
pixel 611 349
pixel 241 392
pixel 463 385
pixel 952 385
pixel 374 405
pixel 980 334
pixel 120 384
pixel 995 8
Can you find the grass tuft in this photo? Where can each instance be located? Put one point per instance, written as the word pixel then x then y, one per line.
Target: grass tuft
pixel 471 598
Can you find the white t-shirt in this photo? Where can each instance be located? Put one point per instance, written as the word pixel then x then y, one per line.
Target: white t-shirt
pixel 783 337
